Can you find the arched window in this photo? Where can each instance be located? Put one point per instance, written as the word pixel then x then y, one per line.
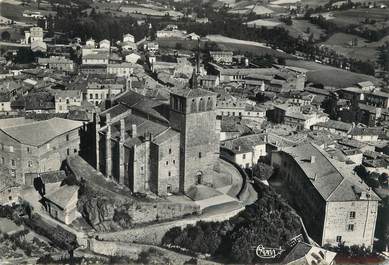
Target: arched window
pixel 209 104
pixel 202 105
pixel 193 107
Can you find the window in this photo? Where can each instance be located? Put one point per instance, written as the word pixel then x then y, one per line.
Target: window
pixel 75 150
pixel 28 149
pixel 169 173
pixel 12 162
pixel 96 96
pixel 339 239
pixel 68 151
pixel 29 163
pixel 350 227
pixel 352 215
pixel 67 137
pixel 174 162
pixel 11 149
pixel 2 160
pixel 67 101
pixel 10 198
pixel 90 96
pixel 141 168
pixel 244 156
pixel 167 162
pixel 170 150
pixel 199 154
pixel 13 173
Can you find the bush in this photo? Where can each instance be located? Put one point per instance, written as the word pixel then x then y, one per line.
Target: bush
pixel 269 221
pixel 60 237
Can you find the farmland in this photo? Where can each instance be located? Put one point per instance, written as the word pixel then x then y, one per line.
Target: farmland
pixel 327 75
pixel 304 29
pixel 362 49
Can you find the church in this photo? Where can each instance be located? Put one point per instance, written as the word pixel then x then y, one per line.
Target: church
pixel 151 146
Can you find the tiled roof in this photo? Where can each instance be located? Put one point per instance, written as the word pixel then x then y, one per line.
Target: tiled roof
pixel 38 133
pixel 333 180
pixel 243 144
pixel 192 93
pixel 63 195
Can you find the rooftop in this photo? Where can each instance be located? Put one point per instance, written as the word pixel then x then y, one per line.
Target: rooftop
pixel 63 195
pixel 39 133
pixel 334 180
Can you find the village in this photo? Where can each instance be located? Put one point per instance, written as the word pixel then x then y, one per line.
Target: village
pixel 168 146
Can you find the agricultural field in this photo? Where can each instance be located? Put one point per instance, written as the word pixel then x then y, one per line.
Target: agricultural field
pixel 304 29
pixel 362 49
pixel 270 23
pixel 150 11
pixel 330 76
pixel 358 17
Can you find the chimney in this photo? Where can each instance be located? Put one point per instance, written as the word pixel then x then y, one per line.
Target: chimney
pixel 133 130
pixel 313 159
pixel 122 130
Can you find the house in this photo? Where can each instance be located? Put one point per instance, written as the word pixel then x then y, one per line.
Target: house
pixel 120 69
pixel 96 93
pixel 151 46
pixel 64 99
pixel 37 146
pixel 96 58
pixel 301 117
pixel 209 81
pixel 40 180
pixel 231 106
pixel 57 63
pixel 221 57
pixel 192 36
pixel 335 204
pixel 245 150
pixel 62 203
pixel 5 102
pixel 366 85
pixel 309 254
pixel 366 134
pixel 132 58
pixel 378 99
pixel 105 44
pixel 9 191
pixel 333 126
pixel 128 38
pixel 42 102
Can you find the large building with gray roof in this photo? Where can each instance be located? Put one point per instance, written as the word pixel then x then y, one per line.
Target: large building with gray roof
pixel 335 204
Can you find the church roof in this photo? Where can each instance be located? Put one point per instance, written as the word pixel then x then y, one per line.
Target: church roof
pixel 192 93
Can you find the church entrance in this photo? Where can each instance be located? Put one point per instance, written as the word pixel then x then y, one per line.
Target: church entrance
pixel 199 177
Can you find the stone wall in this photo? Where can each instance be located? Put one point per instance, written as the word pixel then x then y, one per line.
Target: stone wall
pixel 146 212
pixel 338 218
pixel 153 234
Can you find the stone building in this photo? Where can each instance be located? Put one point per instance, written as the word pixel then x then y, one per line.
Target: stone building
pixel 37 147
pixel 62 203
pixel 245 150
pixel 334 203
pixel 149 145
pixel 64 99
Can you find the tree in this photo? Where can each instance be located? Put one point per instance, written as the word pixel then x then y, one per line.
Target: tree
pixel 262 171
pixel 383 56
pixel 5 35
